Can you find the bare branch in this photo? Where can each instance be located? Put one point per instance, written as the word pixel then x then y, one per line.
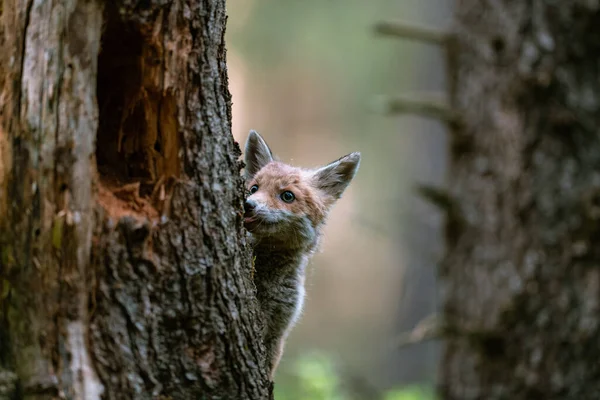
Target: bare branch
pixel 424 105
pixel 413 32
pixel 443 200
pixel 430 328
pixel 437 196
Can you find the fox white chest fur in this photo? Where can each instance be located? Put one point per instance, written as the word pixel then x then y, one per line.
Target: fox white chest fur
pixel 285 212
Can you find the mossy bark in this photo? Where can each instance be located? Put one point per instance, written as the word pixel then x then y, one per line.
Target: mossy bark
pixel 124 269
pixel 521 277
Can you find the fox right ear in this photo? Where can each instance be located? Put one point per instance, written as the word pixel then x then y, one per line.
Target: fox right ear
pixel 335 177
pixel 257 154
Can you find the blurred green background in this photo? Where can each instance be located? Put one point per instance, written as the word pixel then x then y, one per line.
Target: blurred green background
pixel 305 74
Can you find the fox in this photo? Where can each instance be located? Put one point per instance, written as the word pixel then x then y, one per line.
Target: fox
pixel 285 211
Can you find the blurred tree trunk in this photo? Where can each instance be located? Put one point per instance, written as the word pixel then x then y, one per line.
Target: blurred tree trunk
pixel 521 277
pixel 124 269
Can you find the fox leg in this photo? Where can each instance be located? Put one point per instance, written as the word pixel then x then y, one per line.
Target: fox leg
pixel 274 352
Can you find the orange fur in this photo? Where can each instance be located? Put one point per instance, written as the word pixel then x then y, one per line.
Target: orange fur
pixel 276 177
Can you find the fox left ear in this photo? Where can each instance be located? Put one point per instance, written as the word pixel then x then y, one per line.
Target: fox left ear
pixel 258 154
pixel 334 178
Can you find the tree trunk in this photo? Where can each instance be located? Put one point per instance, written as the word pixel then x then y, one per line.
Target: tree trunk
pixel 124 269
pixel 522 272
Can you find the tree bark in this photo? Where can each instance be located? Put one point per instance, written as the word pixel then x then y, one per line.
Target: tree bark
pixel 124 268
pixel 521 277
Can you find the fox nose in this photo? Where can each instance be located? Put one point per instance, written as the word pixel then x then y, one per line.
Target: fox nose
pixel 249 206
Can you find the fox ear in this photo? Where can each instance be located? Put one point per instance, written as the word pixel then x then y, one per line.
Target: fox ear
pixel 334 178
pixel 257 154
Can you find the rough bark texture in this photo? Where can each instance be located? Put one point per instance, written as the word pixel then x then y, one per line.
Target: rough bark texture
pixel 522 272
pixel 124 269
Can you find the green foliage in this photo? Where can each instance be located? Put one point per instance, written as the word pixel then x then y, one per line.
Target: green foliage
pixel 413 392
pixel 317 379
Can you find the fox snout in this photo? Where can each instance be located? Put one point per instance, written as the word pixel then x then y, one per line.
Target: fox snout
pixel 250 217
pixel 249 206
pixel 256 214
pixel 253 213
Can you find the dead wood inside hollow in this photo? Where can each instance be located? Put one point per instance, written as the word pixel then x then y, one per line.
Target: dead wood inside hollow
pixel 138 139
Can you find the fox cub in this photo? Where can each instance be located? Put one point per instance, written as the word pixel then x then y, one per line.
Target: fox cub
pixel 285 213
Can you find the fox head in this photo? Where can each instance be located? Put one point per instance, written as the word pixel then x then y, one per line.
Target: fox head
pixel 286 205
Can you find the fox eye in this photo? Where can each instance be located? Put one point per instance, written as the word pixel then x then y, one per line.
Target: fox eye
pixel 287 196
pixel 253 189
